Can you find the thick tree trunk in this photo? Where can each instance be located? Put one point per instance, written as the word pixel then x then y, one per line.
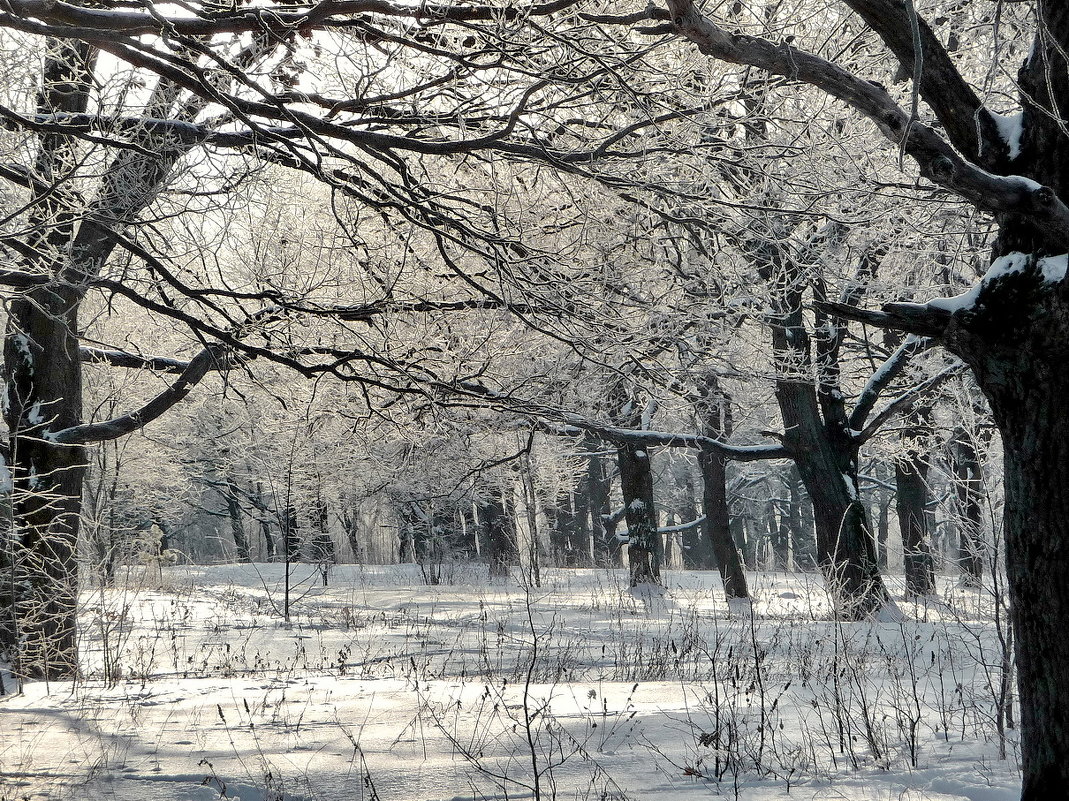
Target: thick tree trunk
pixel 910 500
pixel 645 549
pixel 717 525
pixel 43 376
pixel 1027 388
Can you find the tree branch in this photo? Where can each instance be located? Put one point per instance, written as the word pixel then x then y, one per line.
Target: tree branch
pixel 936 159
pixel 203 363
pixel 969 126
pixel 882 378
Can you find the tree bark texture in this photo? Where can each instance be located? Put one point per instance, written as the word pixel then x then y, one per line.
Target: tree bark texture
pixel 645 549
pixel 714 419
pixel 911 500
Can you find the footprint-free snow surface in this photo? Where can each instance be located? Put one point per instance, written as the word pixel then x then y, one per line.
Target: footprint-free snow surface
pixel 379 686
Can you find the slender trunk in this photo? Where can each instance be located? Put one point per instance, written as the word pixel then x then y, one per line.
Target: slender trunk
pixel 237 525
pixel 498 540
pixel 911 481
pixel 604 544
pixel 696 544
pixel 968 488
pixel 883 526
pixel 780 530
pixel 803 538
pixel 714 418
pixel 645 550
pixel 291 539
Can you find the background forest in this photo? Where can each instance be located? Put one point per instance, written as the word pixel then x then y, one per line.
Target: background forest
pixel 510 291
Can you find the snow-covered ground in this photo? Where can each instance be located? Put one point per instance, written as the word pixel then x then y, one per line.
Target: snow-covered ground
pixel 380 687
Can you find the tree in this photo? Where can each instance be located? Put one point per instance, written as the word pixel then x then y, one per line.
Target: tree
pixel 1012 328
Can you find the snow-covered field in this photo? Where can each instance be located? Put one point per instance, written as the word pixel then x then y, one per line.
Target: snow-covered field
pixel 380 687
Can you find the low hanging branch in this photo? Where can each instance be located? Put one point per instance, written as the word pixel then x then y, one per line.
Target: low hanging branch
pixel 202 364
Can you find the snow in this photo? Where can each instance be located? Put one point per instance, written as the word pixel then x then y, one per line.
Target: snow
pixel 382 687
pixel 1010 129
pixel 1015 262
pixel 1054 268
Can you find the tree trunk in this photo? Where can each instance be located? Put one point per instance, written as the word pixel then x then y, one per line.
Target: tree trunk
pixel 497 539
pixel 291 537
pixel 911 498
pixel 1027 388
pixel 47 478
pixel 803 537
pixel 237 525
pixel 645 550
pixel 604 544
pixel 714 418
pixel 968 489
pixel 695 543
pixel 883 526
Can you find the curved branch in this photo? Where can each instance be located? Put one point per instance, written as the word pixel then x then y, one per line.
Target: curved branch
pixel 203 363
pixel 968 125
pixel 935 158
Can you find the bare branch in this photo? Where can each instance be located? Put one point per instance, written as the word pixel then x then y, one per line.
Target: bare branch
pixel 203 363
pixel 936 159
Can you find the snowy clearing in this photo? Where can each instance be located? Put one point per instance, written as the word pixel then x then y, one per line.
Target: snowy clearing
pixel 380 687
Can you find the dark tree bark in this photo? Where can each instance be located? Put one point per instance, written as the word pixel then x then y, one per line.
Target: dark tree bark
pixel 501 552
pixel 645 551
pixel 291 534
pixel 42 373
pixel 818 435
pixel 912 498
pixel 322 544
pixel 237 524
pixel 714 419
pixel 969 495
pixel 350 523
pixel 1014 332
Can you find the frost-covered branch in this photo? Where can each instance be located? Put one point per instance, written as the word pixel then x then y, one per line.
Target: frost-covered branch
pixel 936 159
pixel 881 379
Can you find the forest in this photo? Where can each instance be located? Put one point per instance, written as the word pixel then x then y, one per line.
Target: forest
pixel 552 400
